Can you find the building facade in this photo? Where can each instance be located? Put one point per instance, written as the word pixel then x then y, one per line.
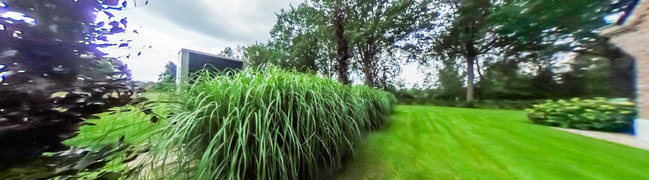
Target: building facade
pixel 190 61
pixel 631 34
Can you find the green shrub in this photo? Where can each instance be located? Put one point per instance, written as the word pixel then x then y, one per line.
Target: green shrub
pixel 589 114
pixel 507 104
pixel 482 104
pixel 270 124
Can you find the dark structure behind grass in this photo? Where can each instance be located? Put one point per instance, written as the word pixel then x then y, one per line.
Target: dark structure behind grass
pixel 270 124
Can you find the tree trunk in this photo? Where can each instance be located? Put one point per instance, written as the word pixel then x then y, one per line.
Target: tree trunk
pixel 469 78
pixel 477 66
pixel 384 80
pixel 367 72
pixel 368 62
pixel 310 61
pixel 342 44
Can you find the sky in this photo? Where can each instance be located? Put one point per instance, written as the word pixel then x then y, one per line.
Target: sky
pixel 204 25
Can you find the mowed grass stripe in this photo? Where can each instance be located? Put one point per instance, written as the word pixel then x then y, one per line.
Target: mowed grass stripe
pixel 426 142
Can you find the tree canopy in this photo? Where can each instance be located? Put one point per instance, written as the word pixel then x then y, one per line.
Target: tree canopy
pixel 500 48
pixel 502 39
pixel 334 38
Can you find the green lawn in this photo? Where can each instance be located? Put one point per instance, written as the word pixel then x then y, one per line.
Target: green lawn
pixel 425 142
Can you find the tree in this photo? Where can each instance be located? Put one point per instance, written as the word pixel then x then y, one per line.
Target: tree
pixel 375 27
pixel 339 15
pixel 449 81
pixel 169 74
pixel 257 55
pixel 599 61
pixel 515 32
pixel 54 75
pixel 300 39
pixel 226 52
pixel 468 36
pixel 236 53
pixel 326 36
pixel 548 21
pixel 540 29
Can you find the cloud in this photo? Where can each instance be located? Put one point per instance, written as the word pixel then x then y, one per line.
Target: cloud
pixel 243 21
pixel 203 25
pixel 209 26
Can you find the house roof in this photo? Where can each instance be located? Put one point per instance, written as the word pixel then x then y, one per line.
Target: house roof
pixel 209 54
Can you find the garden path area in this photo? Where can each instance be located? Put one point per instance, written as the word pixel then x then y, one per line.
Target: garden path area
pixel 426 142
pixel 619 138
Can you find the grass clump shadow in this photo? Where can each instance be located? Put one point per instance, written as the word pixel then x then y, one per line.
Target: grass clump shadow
pixel 264 124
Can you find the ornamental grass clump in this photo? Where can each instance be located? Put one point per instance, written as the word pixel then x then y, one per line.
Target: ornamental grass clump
pixel 267 124
pixel 588 114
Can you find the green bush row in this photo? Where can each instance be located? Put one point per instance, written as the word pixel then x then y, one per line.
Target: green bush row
pixel 270 124
pixel 588 114
pixel 483 104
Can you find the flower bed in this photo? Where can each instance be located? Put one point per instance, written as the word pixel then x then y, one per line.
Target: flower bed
pixel 588 114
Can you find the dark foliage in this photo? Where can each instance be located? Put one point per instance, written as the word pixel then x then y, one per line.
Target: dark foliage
pixel 167 79
pixel 66 164
pixel 53 74
pixel 438 97
pixel 169 74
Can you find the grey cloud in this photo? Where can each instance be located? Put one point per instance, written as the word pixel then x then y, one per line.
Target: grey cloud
pixel 195 15
pixel 231 25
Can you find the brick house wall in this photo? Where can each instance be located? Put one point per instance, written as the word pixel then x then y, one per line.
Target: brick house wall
pixel 633 37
